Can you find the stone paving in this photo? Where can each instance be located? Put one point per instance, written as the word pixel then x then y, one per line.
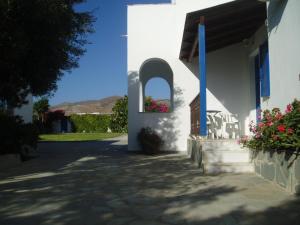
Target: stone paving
pixel 89 183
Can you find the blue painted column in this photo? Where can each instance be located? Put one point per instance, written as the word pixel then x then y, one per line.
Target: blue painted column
pixel 202 76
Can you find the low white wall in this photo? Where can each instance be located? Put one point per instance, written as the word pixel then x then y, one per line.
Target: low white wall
pixel 25 111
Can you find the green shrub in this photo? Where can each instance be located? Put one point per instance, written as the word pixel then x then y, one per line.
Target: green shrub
pixel 276 130
pixel 150 141
pixel 14 134
pixel 90 123
pixel 119 117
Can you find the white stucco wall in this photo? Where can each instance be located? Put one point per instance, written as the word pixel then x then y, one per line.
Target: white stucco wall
pixel 155 31
pixel 25 111
pixel 228 83
pixel 284 47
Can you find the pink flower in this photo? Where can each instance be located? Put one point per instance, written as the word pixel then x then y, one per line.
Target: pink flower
pixel 278 116
pixel 163 108
pixel 269 124
pixel 290 131
pixel 261 125
pixel 289 108
pixel 269 117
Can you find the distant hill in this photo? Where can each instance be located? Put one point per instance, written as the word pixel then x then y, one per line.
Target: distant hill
pixel 102 106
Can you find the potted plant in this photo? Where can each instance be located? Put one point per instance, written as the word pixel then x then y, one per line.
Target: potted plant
pixel 150 141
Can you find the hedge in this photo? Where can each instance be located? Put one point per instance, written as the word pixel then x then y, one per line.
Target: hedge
pixel 90 123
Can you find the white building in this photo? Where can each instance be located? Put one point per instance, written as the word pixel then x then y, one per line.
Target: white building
pixel 26 110
pixel 249 59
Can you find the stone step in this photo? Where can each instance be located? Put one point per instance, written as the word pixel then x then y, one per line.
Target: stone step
pixel 222 145
pixel 214 168
pixel 228 156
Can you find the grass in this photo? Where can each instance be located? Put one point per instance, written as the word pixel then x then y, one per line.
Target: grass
pixel 78 136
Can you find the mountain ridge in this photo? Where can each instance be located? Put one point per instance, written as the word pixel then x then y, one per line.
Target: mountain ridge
pixel 101 106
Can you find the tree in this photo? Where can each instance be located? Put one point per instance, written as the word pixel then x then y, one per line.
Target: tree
pixel 39 41
pixel 40 107
pixel 119 117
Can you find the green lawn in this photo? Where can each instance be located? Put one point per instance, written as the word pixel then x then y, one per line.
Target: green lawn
pixel 78 136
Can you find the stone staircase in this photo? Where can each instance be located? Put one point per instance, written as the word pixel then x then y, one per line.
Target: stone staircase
pixel 225 155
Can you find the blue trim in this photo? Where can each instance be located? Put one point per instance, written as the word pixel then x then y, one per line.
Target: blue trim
pixel 264 70
pixel 202 76
pixel 257 88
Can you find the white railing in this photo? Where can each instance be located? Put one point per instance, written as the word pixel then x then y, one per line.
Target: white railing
pixel 222 126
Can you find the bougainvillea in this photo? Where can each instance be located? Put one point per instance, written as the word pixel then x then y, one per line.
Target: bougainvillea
pixel 155 106
pixel 276 130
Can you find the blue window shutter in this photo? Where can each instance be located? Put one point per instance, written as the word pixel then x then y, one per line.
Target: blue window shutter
pixel 264 70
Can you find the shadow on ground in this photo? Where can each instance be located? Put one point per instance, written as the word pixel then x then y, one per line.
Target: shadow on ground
pixel 100 183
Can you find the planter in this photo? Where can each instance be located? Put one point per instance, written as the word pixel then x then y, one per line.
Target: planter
pixel 279 167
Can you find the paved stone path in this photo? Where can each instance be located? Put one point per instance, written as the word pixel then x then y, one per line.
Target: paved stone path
pixel 89 183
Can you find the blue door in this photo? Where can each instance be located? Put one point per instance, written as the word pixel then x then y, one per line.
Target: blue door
pixel 64 125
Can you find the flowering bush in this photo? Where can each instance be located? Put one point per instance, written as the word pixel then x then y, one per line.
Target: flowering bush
pixel 154 106
pixel 276 130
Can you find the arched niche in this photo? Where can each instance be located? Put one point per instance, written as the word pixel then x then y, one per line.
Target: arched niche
pixel 155 68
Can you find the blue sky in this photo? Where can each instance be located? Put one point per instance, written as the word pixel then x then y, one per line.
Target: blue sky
pixel 103 69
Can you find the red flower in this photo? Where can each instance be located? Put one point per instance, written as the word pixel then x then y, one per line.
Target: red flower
pixel 281 128
pixel 290 130
pixel 289 108
pixel 269 124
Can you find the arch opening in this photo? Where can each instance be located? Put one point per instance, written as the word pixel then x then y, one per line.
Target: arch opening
pixel 157 95
pixel 156 86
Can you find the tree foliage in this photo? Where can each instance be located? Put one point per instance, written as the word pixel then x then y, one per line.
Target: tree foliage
pixel 15 135
pixel 40 107
pixel 39 41
pixel 119 118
